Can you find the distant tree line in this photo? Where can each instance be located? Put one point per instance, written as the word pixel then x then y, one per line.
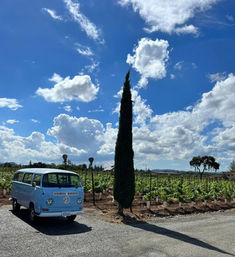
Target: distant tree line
pixel 69 166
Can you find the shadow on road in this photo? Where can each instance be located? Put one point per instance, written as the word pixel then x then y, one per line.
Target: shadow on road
pixel 176 235
pixel 53 226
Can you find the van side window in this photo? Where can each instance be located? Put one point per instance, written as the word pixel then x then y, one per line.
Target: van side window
pixel 61 180
pixel 75 181
pixel 37 179
pixel 49 180
pixel 27 178
pixel 18 176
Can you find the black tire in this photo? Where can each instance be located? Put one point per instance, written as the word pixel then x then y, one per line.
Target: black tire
pixel 32 215
pixel 15 206
pixel 71 218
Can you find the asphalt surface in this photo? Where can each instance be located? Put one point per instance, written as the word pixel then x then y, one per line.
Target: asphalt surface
pixel 210 234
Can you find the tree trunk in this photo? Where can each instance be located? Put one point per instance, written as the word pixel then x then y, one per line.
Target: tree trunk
pixel 201 175
pixel 120 209
pixel 131 209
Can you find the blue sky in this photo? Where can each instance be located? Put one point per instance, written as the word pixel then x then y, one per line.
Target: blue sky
pixel 62 68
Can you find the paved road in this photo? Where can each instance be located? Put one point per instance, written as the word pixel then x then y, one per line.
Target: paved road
pixel 211 234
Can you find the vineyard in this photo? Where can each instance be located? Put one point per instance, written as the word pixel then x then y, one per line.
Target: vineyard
pixel 153 191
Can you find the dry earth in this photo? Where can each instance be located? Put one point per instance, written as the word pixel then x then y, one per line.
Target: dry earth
pixel 107 208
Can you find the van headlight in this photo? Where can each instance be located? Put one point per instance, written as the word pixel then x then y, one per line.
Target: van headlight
pixel 79 201
pixel 49 201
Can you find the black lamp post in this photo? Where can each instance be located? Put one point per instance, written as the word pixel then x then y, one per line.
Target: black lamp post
pixel 91 159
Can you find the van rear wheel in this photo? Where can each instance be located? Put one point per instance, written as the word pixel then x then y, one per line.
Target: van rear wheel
pixel 71 218
pixel 15 206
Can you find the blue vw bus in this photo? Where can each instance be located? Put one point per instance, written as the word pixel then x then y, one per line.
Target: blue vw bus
pixel 47 193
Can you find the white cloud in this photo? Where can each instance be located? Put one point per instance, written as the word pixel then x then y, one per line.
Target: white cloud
pixel 167 142
pixel 12 121
pixel 175 135
pixel 225 140
pixel 142 112
pixel 117 108
pixel 35 121
pixel 187 29
pixel 52 13
pixel 76 137
pixel 56 78
pixel 169 16
pixel 171 136
pixel 219 103
pixel 10 103
pixel 149 59
pixel 86 25
pixel 189 108
pixel 93 66
pixel 96 110
pixel 79 88
pixel 182 134
pixel 178 65
pixel 214 77
pixel 108 139
pixel 84 50
pixel 172 76
pixel 23 149
pixel 68 108
pixel 80 133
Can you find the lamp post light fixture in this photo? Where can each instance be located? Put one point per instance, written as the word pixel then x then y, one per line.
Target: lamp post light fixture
pixel 91 159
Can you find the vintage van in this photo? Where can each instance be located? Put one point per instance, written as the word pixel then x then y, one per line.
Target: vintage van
pixel 47 193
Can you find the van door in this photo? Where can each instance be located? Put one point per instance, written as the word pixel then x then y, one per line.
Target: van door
pixel 16 191
pixel 27 189
pixel 37 193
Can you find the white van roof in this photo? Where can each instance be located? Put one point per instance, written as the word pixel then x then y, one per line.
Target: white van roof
pixel 44 171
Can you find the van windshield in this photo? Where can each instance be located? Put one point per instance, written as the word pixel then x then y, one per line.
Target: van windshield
pixel 61 180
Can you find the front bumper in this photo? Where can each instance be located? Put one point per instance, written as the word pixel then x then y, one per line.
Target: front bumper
pixel 59 214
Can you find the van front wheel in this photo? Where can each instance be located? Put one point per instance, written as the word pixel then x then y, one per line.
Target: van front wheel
pixel 32 216
pixel 71 218
pixel 15 206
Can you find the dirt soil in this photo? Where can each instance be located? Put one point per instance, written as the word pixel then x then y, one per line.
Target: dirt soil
pixel 107 208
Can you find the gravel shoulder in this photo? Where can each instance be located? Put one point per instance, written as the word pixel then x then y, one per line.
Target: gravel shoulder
pixel 199 235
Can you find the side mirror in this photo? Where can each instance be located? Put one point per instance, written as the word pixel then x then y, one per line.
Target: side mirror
pixel 34 184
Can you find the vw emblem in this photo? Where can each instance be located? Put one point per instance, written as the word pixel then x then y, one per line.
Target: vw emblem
pixel 66 199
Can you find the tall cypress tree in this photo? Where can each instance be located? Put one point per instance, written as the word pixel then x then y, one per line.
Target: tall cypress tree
pixel 124 177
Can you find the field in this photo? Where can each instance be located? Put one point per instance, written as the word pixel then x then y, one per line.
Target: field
pixel 156 195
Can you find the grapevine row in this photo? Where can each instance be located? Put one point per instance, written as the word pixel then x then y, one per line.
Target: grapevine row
pixel 152 187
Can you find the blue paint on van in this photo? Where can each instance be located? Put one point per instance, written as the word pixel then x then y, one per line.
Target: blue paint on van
pixel 48 192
